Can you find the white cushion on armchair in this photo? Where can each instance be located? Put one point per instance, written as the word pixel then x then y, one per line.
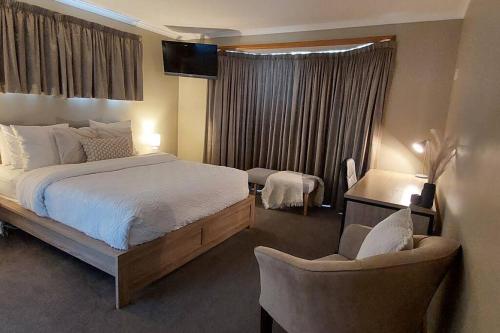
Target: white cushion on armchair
pixel 393 234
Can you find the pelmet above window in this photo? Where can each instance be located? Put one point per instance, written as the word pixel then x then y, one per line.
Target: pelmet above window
pixel 44 52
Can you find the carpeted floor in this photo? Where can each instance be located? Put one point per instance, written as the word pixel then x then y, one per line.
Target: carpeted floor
pixel 45 290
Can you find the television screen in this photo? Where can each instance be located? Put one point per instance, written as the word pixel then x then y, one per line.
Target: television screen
pixel 190 59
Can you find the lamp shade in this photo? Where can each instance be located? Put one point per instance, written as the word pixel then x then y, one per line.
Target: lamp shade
pixel 419 147
pixel 154 140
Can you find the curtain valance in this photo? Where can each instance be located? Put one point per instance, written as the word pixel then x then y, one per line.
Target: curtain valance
pixel 44 52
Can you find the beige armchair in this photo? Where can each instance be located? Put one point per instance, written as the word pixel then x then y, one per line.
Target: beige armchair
pixel 384 293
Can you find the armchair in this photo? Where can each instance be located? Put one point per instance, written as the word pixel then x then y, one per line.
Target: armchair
pixel 385 293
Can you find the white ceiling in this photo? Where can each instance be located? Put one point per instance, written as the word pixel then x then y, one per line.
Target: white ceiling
pixel 220 18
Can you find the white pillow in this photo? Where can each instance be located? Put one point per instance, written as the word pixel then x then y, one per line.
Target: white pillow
pixel 393 234
pixel 38 145
pixel 69 145
pixel 112 130
pixel 4 150
pixel 12 149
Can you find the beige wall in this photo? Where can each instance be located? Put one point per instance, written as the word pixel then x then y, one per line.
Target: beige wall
pixel 419 96
pixel 191 118
pixel 158 110
pixel 469 192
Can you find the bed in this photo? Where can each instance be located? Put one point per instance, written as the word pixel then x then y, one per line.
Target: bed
pixel 136 218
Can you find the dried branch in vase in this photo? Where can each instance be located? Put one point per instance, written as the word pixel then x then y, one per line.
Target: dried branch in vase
pixel 440 151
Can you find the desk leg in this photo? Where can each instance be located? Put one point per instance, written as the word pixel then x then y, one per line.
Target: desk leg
pixel 254 189
pixel 266 321
pixel 430 228
pixel 342 224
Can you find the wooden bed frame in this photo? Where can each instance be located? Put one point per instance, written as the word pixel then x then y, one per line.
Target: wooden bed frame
pixel 140 265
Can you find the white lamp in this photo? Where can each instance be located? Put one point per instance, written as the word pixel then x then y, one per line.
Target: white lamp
pixel 154 141
pixel 421 148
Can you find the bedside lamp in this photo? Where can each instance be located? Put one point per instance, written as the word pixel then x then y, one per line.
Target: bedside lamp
pixel 421 148
pixel 154 141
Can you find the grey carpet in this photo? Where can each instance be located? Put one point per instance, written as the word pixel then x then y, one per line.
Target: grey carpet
pixel 45 290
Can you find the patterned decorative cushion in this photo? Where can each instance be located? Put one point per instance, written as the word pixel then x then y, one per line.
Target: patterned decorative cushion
pixel 113 130
pixel 98 149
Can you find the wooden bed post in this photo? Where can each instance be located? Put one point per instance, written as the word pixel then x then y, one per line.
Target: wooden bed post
pixel 122 290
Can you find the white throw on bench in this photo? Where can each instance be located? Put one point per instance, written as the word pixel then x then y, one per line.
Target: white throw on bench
pixel 287 188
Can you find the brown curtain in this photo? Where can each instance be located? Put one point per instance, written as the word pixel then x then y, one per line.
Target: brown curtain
pixel 44 52
pixel 305 113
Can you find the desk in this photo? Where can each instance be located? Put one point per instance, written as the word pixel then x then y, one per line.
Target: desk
pixel 379 194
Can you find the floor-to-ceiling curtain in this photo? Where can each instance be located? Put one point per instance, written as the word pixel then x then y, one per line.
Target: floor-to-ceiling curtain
pixel 304 113
pixel 44 52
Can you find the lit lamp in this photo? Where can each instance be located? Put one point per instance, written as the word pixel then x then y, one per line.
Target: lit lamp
pixel 421 149
pixel 154 141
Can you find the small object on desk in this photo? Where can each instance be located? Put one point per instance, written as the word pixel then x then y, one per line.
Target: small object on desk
pixel 415 199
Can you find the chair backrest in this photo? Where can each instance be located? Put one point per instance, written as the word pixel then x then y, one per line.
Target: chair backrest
pixel 351 177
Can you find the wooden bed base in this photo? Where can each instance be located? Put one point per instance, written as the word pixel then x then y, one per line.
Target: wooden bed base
pixel 140 265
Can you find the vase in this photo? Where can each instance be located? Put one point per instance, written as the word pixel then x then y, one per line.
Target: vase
pixel 427 195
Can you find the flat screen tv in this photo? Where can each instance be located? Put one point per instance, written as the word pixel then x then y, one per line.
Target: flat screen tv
pixel 190 59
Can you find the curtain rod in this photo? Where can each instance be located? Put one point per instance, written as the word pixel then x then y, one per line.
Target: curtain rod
pixel 310 43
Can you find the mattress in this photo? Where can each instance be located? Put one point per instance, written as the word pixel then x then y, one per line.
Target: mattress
pixel 129 201
pixel 8 181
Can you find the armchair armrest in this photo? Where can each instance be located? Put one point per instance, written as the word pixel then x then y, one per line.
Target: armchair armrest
pixel 268 256
pixel 351 240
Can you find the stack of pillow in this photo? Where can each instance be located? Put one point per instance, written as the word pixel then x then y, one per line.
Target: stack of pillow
pixel 32 147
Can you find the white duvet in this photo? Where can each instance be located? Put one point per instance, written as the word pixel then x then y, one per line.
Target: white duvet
pixel 129 201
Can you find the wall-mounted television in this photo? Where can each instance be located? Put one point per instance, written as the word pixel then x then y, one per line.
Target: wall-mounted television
pixel 190 59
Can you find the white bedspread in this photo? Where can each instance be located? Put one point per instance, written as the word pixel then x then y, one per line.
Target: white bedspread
pixel 129 201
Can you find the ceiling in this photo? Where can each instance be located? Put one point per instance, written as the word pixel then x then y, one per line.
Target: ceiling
pixel 187 19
